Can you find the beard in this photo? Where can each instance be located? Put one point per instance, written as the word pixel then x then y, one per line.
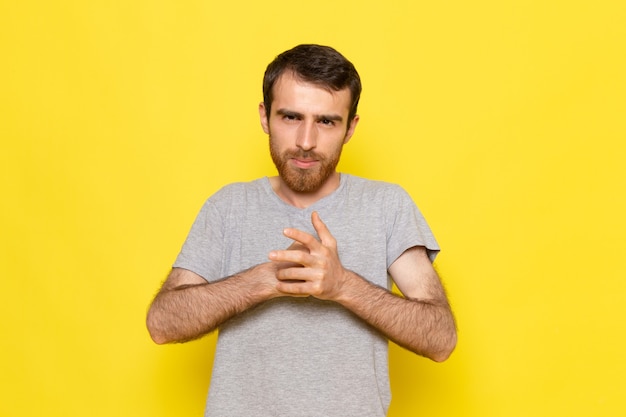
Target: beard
pixel 303 180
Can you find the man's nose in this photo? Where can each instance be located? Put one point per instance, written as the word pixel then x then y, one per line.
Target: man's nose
pixel 307 136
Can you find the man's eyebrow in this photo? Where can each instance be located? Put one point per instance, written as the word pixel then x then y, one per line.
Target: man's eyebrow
pixel 285 112
pixel 331 117
pixel 291 113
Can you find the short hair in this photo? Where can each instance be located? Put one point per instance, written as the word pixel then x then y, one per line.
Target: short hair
pixel 317 64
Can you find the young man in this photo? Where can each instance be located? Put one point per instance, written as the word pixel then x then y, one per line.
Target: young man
pixel 295 269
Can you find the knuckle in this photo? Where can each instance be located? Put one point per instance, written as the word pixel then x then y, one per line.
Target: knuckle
pixel 316 288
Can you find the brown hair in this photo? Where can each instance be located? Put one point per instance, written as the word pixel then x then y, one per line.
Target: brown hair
pixel 317 64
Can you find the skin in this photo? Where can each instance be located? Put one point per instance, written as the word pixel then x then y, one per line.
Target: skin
pixel 308 127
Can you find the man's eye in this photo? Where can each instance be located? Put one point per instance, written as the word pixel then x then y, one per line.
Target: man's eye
pixel 327 122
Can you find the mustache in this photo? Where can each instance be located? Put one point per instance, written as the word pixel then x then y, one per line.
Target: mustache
pixel 300 154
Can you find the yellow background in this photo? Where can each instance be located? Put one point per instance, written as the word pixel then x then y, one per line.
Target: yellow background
pixel 505 120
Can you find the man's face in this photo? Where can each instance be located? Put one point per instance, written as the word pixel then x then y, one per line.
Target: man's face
pixel 308 127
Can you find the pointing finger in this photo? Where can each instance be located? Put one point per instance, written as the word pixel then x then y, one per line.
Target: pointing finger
pixel 307 240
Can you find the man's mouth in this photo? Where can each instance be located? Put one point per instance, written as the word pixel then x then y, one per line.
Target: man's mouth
pixel 304 163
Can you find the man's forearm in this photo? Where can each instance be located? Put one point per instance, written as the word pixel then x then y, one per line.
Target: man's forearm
pixel 187 312
pixel 425 327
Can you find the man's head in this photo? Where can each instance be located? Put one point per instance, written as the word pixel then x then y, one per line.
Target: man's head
pixel 311 94
pixel 316 64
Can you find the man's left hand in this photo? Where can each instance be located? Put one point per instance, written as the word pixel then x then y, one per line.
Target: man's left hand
pixel 320 273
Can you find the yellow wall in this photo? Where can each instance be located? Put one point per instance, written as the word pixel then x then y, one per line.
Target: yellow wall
pixel 506 121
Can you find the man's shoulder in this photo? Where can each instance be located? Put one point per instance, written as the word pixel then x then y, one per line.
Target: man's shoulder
pixel 240 187
pixel 238 192
pixel 389 195
pixel 365 185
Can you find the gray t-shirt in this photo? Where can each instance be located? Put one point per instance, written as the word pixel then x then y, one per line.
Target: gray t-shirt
pixel 302 356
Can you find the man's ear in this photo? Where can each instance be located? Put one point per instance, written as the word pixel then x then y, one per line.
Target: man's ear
pixel 265 123
pixel 351 128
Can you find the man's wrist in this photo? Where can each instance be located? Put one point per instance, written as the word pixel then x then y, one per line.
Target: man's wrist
pixel 352 286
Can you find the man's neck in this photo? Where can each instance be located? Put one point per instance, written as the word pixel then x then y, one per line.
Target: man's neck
pixel 304 200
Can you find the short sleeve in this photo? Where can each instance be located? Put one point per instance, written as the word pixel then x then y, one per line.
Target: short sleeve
pixel 406 226
pixel 202 251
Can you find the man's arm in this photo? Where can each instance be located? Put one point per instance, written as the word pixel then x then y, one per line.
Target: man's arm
pixel 422 321
pixel 188 307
